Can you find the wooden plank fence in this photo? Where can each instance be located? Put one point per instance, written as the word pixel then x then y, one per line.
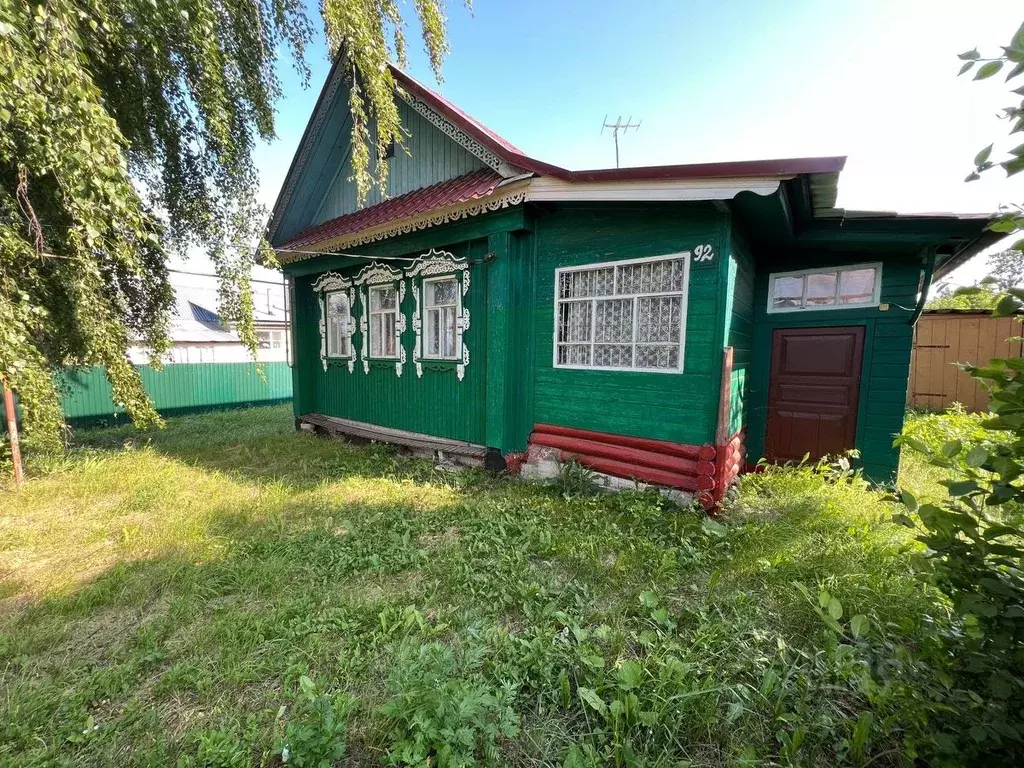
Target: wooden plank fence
pixel 944 338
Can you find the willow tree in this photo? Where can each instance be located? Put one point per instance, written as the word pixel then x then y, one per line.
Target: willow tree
pixel 127 129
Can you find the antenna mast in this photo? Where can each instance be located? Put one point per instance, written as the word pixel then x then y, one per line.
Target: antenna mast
pixel 617 126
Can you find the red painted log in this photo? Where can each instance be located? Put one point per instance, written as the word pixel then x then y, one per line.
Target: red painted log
pixel 643 474
pixel 695 452
pixel 626 455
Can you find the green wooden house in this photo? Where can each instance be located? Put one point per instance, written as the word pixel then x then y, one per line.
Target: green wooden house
pixel 667 324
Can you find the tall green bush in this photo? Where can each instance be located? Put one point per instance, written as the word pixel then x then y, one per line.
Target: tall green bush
pixel 975 545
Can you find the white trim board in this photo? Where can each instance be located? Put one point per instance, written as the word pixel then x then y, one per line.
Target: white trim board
pixel 548 189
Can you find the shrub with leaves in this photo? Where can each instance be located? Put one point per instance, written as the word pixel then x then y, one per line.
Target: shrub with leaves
pixel 975 541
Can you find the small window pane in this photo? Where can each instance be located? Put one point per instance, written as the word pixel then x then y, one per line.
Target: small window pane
pixel 574 354
pixel 338 320
pixel 857 286
pixel 788 293
pixel 337 303
pixel 448 332
pixel 613 355
pixel 382 299
pixel 657 356
pixel 821 289
pixel 614 320
pixel 658 318
pixel 441 292
pixel 591 282
pixel 574 321
pixel 433 333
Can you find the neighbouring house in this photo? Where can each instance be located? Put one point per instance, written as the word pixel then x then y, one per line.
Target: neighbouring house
pixel 207 366
pixel 198 335
pixel 666 324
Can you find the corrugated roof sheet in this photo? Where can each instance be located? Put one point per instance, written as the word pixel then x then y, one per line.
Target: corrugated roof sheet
pixel 461 189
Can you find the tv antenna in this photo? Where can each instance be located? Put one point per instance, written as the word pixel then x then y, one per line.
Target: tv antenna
pixel 617 126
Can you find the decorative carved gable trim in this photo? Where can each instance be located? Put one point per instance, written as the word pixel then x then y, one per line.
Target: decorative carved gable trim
pixel 412 224
pixel 309 140
pixel 459 136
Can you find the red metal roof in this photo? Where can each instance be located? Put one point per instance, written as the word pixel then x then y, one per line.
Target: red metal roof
pixel 516 157
pixel 461 189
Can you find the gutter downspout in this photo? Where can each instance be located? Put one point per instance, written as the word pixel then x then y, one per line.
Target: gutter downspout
pixel 929 270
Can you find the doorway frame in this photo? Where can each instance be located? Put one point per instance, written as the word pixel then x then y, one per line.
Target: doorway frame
pixel 765 371
pixel 761 369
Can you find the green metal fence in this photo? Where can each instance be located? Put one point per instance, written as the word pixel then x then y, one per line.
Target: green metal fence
pixel 178 388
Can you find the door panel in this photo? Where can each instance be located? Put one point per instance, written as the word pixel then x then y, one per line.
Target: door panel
pixel 813 391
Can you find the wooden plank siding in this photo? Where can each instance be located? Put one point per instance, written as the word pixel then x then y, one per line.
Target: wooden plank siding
pixel 739 330
pixel 942 340
pixel 325 189
pixel 676 407
pixel 435 404
pixel 429 157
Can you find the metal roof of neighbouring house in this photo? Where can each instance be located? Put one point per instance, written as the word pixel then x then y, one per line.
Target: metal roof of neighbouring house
pixel 514 177
pixel 194 317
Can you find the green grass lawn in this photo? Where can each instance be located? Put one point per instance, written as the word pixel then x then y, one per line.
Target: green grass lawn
pixel 228 592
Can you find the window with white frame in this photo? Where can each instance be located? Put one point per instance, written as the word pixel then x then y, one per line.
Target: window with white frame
pixel 339 318
pixel 625 315
pixel 440 307
pixel 836 288
pixel 383 319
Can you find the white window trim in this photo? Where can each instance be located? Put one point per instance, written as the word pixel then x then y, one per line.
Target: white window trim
pixel 457 306
pixel 876 295
pixel 347 334
pixel 684 255
pixel 370 312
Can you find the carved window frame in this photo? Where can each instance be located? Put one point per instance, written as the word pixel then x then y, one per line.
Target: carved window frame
pixel 328 283
pixel 440 264
pixel 381 275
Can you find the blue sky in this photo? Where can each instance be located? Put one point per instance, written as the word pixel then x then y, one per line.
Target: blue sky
pixel 725 80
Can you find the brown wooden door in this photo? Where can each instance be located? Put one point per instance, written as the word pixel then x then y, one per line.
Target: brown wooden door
pixel 813 391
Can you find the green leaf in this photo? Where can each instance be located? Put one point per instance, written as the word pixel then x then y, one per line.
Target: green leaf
pixel 951 448
pixel 859 625
pixel 1013 167
pixel 648 599
pixel 982 156
pixel 909 500
pixel 835 609
pixel 1006 306
pixel 988 69
pixel 631 675
pixel 965 68
pixel 904 520
pixel 589 695
pixel 971 55
pixel 977 456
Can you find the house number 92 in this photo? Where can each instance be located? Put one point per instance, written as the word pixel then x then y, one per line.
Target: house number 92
pixel 703 253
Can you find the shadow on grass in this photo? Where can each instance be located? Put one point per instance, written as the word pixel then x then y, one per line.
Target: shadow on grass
pixel 257 445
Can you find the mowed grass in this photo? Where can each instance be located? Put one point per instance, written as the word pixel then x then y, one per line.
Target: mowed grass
pixel 228 592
